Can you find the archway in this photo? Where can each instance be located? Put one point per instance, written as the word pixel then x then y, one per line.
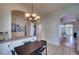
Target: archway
pixel 67 28
pixel 19 25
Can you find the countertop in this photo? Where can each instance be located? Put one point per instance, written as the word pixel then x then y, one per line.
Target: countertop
pixel 14 39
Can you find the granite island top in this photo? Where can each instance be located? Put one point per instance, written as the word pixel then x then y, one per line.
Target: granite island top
pixel 14 39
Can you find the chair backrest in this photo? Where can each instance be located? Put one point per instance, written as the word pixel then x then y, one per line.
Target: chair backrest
pixel 43 41
pixel 26 43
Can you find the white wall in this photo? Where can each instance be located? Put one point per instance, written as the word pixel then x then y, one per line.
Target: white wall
pixel 50 28
pixel 50 23
pixel 5 21
pixel 5 15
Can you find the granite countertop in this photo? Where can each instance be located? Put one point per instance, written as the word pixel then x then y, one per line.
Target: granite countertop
pixel 14 39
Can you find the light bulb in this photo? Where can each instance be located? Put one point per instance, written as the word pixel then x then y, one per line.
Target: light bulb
pixel 30 18
pixel 38 17
pixel 34 15
pixel 35 19
pixel 27 14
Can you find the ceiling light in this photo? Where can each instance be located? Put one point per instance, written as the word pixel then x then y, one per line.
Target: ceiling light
pixel 33 16
pixel 38 17
pixel 27 14
pixel 35 19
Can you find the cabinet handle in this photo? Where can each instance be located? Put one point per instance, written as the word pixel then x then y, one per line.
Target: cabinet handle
pixel 9 44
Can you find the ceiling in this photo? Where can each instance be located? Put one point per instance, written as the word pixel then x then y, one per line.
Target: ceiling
pixel 45 8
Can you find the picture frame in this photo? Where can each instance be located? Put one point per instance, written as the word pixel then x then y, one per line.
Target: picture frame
pixel 22 29
pixel 17 28
pixel 13 29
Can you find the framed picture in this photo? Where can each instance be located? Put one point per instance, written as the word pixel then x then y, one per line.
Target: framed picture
pixel 22 29
pixel 13 29
pixel 17 28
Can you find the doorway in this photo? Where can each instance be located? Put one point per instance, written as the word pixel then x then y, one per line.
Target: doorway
pixel 68 30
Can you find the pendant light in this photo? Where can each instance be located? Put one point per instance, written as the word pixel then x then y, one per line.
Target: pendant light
pixel 32 16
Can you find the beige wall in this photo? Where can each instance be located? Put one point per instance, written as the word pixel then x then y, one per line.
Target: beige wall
pixel 18 18
pixel 39 30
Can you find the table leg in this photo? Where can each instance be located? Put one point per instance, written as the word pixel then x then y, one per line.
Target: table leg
pixel 46 48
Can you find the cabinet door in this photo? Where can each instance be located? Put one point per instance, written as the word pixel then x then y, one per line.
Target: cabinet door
pixel 4 49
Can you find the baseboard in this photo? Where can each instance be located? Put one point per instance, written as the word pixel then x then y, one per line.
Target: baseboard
pixel 54 43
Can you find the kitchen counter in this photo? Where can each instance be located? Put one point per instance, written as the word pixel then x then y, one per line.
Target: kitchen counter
pixel 14 39
pixel 8 45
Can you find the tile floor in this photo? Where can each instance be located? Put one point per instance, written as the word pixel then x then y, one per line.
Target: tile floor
pixel 58 50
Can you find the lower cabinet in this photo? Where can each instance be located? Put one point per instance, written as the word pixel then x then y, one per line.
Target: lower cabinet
pixel 5 48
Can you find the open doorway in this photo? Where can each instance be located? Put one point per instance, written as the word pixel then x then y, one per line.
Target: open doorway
pixel 66 30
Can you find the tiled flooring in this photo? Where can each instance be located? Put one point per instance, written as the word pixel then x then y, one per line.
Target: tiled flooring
pixel 58 50
pixel 67 47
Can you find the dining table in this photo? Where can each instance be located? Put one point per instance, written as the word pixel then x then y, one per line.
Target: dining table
pixel 29 49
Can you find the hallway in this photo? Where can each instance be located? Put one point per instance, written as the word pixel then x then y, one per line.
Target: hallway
pixel 66 34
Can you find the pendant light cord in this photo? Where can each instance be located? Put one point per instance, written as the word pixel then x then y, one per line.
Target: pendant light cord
pixel 32 7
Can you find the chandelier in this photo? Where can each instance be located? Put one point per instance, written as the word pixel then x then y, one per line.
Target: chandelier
pixel 32 16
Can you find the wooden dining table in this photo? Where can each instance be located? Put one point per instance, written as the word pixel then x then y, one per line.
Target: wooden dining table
pixel 29 49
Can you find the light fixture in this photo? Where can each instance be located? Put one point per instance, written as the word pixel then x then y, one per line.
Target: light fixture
pixel 32 16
